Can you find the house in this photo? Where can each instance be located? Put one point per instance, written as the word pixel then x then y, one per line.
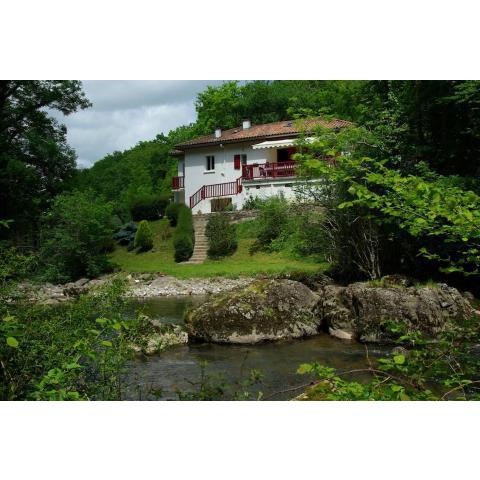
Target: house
pixel 242 162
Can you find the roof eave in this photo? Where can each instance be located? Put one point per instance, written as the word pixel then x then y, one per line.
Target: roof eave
pixel 235 140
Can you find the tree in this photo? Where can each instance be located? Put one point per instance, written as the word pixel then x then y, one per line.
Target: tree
pixel 433 121
pixel 144 237
pixel 441 215
pixel 35 160
pixel 76 236
pixel 146 170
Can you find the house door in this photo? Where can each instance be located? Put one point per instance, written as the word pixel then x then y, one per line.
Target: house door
pixel 285 154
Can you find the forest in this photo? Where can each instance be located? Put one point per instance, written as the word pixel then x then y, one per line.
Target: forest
pixel 402 199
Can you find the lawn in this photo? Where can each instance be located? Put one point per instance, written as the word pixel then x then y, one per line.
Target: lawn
pixel 160 259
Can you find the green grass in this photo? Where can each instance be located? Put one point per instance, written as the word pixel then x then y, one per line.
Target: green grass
pixel 161 260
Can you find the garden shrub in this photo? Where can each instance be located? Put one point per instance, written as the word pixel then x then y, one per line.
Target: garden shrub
pixel 148 206
pixel 253 203
pixel 272 221
pixel 75 238
pixel 184 236
pixel 221 236
pixel 171 212
pixel 143 237
pixel 126 234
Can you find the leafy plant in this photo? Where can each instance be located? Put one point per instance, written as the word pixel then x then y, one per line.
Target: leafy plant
pixel 435 210
pixel 144 237
pixel 76 236
pixel 72 351
pixel 221 236
pixel 272 221
pixel 148 206
pixel 419 369
pixel 171 213
pixel 184 236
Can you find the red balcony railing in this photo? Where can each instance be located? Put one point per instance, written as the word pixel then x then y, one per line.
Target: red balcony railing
pixel 178 183
pixel 269 170
pixel 216 190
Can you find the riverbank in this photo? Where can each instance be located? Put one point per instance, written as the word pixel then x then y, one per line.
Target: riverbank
pixel 145 285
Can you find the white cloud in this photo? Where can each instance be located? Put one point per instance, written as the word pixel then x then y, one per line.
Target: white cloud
pixel 126 112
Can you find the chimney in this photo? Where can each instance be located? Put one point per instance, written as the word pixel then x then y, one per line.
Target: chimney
pixel 246 124
pixel 218 132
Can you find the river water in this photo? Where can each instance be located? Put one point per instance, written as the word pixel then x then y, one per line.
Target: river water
pixel 179 368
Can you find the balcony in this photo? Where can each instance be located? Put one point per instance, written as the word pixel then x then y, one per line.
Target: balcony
pixel 178 183
pixel 269 170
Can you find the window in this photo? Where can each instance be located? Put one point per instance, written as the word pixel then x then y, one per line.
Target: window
pixel 239 160
pixel 210 162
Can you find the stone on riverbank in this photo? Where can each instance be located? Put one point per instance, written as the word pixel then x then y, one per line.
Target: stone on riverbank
pixel 264 310
pixel 360 310
pixel 159 336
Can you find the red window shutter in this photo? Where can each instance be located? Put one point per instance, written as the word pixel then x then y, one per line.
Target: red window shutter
pixel 236 162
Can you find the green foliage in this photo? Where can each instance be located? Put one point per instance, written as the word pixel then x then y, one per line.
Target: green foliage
pixel 144 237
pixel 138 180
pixel 427 206
pixel 420 369
pixel 184 236
pixel 126 234
pixel 76 236
pixel 253 203
pixel 171 213
pixel 272 221
pixel 433 121
pixel 148 206
pixel 221 236
pixel 214 387
pixel 73 351
pixel 227 105
pixel 35 161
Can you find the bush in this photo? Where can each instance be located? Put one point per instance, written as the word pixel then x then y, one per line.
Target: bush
pixel 184 236
pixel 273 219
pixel 253 203
pixel 76 350
pixel 171 212
pixel 221 236
pixel 126 234
pixel 75 238
pixel 144 237
pixel 148 206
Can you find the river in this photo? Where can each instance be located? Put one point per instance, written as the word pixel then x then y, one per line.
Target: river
pixel 179 368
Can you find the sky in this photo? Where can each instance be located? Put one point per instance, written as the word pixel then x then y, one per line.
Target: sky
pixel 125 112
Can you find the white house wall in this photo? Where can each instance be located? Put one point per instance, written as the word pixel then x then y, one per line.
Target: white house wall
pixel 196 174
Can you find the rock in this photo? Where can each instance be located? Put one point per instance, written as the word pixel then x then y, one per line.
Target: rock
pixel 81 282
pixel 362 310
pixel 162 337
pixel 341 334
pixel 163 285
pixel 73 290
pixel 469 297
pixel 265 310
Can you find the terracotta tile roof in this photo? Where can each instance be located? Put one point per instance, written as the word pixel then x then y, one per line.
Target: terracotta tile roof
pixel 286 128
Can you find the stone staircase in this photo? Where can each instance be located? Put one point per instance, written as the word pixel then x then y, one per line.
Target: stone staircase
pixel 201 242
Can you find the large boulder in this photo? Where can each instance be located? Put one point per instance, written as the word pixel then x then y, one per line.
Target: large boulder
pixel 359 311
pixel 264 310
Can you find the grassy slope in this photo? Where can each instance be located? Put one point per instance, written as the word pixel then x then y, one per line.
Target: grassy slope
pixel 161 260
